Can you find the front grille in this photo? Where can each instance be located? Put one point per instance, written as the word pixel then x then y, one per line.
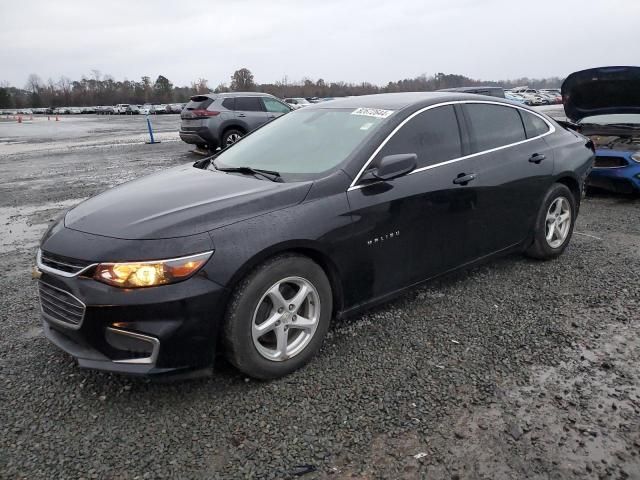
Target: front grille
pixel 64 264
pixel 609 162
pixel 60 306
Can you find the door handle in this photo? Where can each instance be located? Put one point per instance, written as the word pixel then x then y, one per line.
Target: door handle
pixel 537 158
pixel 463 178
pixel 241 115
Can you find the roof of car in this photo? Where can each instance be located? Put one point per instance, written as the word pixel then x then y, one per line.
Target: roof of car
pixel 398 101
pixel 243 94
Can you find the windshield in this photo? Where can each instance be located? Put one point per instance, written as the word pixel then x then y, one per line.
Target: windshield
pixel 631 118
pixel 304 143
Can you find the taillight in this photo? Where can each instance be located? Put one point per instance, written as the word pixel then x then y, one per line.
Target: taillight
pixel 202 113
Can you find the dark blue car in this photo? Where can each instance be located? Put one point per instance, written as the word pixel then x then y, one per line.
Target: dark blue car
pixel 605 104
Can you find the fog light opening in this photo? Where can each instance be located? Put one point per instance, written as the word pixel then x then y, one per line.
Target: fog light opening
pixel 132 347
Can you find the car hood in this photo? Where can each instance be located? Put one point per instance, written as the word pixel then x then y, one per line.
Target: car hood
pixel 601 91
pixel 179 202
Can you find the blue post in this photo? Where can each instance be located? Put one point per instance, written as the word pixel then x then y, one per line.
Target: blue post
pixel 150 132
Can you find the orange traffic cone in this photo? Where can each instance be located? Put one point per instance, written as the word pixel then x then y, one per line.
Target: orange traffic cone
pixel 19 119
pixel 57 118
pixel 30 117
pixel 48 117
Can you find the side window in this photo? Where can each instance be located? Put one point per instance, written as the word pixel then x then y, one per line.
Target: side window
pixel 273 105
pixel 494 125
pixel 533 124
pixel 433 135
pixel 249 104
pixel 229 103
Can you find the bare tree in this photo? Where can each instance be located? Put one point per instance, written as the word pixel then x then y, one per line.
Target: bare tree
pixel 200 86
pixel 34 84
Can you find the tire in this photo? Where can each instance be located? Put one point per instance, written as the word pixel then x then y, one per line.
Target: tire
pixel 552 235
pixel 231 136
pixel 260 354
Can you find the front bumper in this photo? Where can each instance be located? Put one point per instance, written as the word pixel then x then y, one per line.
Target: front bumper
pixel 620 179
pixel 144 331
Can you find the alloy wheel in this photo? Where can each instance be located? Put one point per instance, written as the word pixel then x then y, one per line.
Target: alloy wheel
pixel 286 319
pixel 233 138
pixel 558 222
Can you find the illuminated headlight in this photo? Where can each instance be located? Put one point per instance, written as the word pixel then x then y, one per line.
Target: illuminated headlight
pixel 636 157
pixel 150 273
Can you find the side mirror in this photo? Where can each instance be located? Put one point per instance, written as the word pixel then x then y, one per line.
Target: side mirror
pixel 392 166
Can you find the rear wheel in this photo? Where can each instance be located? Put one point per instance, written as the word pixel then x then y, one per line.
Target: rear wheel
pixel 554 224
pixel 231 136
pixel 278 317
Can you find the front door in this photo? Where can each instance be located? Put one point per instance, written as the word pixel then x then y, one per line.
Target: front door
pixel 274 108
pixel 416 226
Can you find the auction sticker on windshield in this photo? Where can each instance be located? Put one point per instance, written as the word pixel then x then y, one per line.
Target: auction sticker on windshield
pixel 372 112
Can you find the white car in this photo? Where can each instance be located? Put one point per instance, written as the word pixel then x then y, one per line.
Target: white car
pixel 75 110
pixel 120 108
pixel 144 109
pixel 297 102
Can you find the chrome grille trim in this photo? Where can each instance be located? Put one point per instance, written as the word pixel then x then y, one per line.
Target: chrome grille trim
pixel 60 307
pixel 79 269
pixel 151 360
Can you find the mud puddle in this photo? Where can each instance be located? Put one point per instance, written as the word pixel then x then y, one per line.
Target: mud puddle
pixel 23 226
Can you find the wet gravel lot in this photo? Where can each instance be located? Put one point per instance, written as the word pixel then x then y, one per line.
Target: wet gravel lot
pixel 515 369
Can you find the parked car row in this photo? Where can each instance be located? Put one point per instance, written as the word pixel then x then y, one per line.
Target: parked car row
pixel 533 97
pixel 119 109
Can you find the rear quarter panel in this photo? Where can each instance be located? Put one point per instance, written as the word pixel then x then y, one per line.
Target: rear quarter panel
pixel 572 154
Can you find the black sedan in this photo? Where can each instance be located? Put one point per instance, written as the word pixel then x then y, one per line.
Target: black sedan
pixel 322 213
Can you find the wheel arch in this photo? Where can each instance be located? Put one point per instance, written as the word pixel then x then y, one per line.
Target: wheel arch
pixel 573 184
pixel 233 126
pixel 310 249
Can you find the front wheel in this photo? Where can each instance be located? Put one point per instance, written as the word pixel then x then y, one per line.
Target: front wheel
pixel 278 317
pixel 554 224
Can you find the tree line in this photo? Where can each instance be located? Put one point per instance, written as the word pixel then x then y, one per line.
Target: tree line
pixel 98 89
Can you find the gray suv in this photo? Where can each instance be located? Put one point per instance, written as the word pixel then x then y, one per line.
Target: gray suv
pixel 219 120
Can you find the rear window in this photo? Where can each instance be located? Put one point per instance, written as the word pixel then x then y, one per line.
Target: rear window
pixel 494 126
pixel 199 103
pixel 533 125
pixel 249 104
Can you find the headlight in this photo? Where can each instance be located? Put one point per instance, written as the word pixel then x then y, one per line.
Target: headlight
pixel 150 273
pixel 636 157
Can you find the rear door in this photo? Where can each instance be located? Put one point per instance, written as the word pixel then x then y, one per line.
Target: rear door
pixel 514 166
pixel 250 112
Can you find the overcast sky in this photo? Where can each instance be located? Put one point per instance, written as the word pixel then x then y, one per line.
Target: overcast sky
pixel 351 40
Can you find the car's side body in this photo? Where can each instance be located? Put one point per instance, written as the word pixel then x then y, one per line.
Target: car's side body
pixel 372 239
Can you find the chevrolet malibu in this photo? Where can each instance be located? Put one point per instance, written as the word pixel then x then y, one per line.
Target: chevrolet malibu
pixel 320 214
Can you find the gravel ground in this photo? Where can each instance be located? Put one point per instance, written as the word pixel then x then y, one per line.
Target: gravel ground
pixel 516 369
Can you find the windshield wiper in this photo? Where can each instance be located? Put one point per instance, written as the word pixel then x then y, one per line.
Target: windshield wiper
pixel 268 174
